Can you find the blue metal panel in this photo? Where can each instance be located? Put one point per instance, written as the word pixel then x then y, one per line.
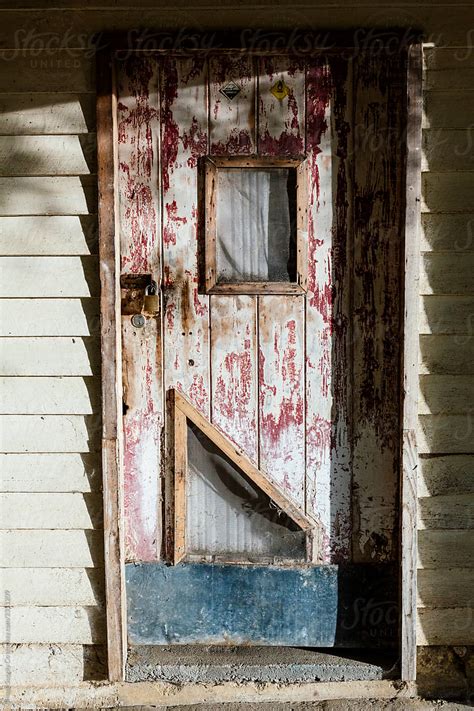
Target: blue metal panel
pixel 222 604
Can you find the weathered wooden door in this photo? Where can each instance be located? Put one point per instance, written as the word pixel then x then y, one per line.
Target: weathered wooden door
pixel 261 372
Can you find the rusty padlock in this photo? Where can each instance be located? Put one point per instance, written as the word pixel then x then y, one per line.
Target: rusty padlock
pixel 151 303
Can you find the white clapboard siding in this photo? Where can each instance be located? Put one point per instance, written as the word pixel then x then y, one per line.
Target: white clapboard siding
pixel 447 273
pixel 36 114
pixel 50 396
pixel 51 587
pixel 47 155
pixel 448 109
pixel 445 626
pixel 452 474
pixel 446 434
pixel 445 549
pixel 436 57
pixel 445 588
pixel 453 233
pixel 448 315
pixel 49 71
pixel 447 354
pixel 51 510
pixel 447 150
pixel 447 192
pixel 51 549
pixel 50 472
pixel 49 317
pixel 51 277
pixel 70 625
pixel 446 393
pixel 459 78
pixel 48 236
pixel 49 433
pixel 44 664
pixel 49 356
pixel 451 511
pixel 48 196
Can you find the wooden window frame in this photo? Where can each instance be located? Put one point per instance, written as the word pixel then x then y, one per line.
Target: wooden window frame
pixel 212 165
pixel 112 456
pixel 184 410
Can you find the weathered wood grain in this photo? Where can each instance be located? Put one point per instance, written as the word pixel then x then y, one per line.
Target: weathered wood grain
pixel 453 626
pixel 234 370
pixel 453 474
pixel 447 314
pixel 42 664
pixel 47 155
pixel 53 587
pixel 409 370
pixel 140 252
pixel 281 367
pixel 48 71
pixel 447 273
pixel 281 122
pixel 327 447
pixel 450 587
pixel 232 122
pixel 49 356
pixel 48 236
pixel 50 472
pixel 47 113
pixel 446 434
pixel 449 394
pixel 54 396
pixel 376 304
pixel 51 277
pixel 55 196
pixel 51 510
pixel 453 233
pixel 49 317
pixel 445 549
pixel 447 192
pixel 70 625
pixel 447 150
pixel 446 354
pixel 52 549
pixel 49 433
pixel 184 140
pixel 448 109
pixel 459 78
pixel 446 511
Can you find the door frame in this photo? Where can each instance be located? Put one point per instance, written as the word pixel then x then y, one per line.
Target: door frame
pixel 111 357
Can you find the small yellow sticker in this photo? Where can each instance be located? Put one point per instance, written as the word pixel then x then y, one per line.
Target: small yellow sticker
pixel 280 90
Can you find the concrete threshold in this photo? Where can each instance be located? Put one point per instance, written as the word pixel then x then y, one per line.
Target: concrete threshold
pixel 286 665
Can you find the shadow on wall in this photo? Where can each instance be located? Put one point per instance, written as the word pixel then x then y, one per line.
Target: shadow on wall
pixel 446 406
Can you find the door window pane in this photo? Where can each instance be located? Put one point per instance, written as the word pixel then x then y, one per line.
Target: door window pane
pixel 256 225
pixel 228 515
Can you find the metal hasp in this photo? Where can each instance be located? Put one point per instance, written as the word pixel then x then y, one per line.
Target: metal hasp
pixel 139 294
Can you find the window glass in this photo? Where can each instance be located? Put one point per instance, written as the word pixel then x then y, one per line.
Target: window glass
pixel 228 515
pixel 256 234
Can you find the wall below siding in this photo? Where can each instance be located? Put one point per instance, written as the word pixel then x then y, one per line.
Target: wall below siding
pixel 52 628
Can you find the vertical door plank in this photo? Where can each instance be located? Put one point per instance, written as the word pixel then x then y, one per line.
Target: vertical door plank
pixel 232 120
pixel 328 487
pixel 281 118
pixel 281 392
pixel 139 216
pixel 233 318
pixel 377 285
pixel 234 370
pixel 184 141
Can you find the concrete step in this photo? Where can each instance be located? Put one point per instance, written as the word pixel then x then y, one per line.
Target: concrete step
pixel 208 664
